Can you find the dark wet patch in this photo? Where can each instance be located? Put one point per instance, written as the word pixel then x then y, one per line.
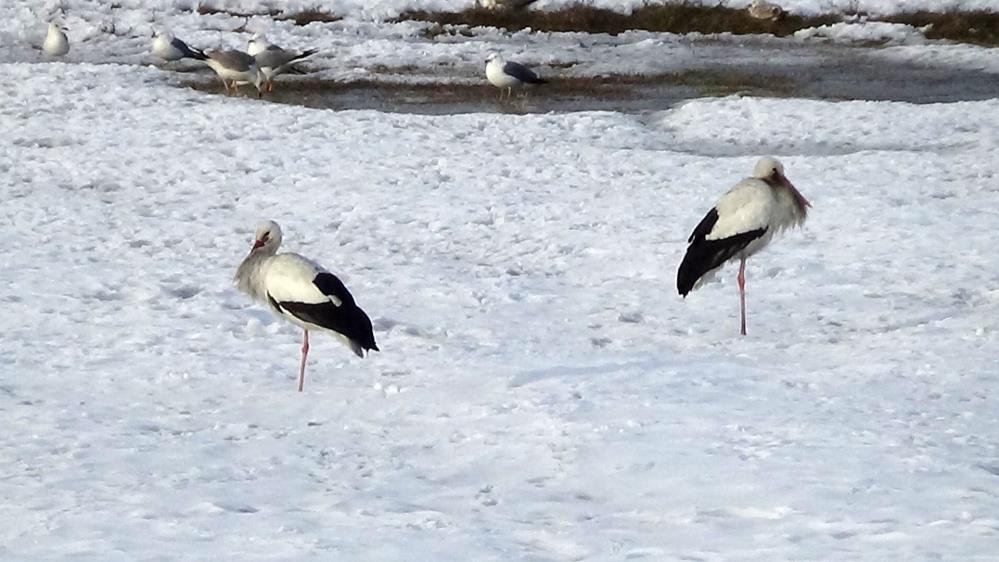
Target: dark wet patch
pixel 612 93
pixel 833 74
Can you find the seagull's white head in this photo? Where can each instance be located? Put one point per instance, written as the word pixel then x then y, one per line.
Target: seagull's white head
pixel 494 57
pixel 55 28
pixel 267 239
pixel 770 170
pixel 257 44
pixel 258 80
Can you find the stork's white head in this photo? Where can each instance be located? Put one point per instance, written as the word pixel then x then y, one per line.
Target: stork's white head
pixel 267 239
pixel 770 170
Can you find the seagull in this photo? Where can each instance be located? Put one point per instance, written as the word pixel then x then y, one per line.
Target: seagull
pixel 235 66
pixel 303 293
pixel 741 223
pixel 763 10
pixel 274 60
pixel 169 48
pixel 508 74
pixel 56 44
pixel 505 4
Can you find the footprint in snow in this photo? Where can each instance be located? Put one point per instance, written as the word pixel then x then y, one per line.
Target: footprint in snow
pixel 233 507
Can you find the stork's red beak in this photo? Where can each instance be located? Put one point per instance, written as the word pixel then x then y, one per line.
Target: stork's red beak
pixel 797 194
pixel 258 244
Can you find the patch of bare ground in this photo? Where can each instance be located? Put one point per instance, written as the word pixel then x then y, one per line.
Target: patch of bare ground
pixel 301 17
pixel 673 18
pixel 979 28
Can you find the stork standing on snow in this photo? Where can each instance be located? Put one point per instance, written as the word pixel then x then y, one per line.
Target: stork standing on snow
pixel 303 293
pixel 741 223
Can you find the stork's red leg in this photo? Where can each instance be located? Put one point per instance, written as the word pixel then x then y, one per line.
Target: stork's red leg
pixel 305 354
pixel 742 295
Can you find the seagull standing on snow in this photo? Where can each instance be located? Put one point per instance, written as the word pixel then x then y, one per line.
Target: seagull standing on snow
pixel 507 74
pixel 741 223
pixel 56 44
pixel 763 10
pixel 169 48
pixel 274 60
pixel 235 66
pixel 303 293
pixel 505 4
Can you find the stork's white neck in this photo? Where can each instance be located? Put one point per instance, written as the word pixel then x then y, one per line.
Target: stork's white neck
pixel 249 277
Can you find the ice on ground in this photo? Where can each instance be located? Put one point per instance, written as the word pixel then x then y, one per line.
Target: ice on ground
pixel 866 32
pixel 543 393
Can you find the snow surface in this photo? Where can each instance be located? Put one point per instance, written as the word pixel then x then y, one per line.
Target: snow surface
pixel 543 393
pixel 877 32
pixel 391 8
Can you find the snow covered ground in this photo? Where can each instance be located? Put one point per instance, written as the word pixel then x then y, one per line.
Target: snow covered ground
pixel 378 9
pixel 542 393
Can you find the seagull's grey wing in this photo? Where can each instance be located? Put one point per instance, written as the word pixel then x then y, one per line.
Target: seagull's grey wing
pixel 188 52
pixel 521 72
pixel 233 60
pixel 275 58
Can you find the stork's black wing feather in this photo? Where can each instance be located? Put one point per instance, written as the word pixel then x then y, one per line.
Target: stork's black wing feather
pixel 703 255
pixel 704 227
pixel 347 319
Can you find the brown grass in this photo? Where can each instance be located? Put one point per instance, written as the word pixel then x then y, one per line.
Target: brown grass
pixel 674 18
pixel 980 28
pixel 303 17
pixel 209 10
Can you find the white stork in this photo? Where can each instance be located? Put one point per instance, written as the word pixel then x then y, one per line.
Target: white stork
pixel 741 223
pixel 506 75
pixel 303 293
